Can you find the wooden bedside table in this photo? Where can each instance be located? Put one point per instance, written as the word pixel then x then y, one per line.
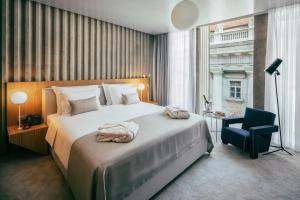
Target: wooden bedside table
pixel 32 138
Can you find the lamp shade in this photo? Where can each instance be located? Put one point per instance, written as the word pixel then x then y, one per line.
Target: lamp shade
pixel 273 67
pixel 18 97
pixel 184 15
pixel 141 86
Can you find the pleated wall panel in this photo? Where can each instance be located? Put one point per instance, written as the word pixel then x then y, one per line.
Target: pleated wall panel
pixel 45 43
pixel 41 43
pixel 3 137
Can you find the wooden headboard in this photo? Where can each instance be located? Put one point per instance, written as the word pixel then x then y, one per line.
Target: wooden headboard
pixel 33 105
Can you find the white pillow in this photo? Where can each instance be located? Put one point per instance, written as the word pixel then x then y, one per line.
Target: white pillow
pixel 115 92
pixel 107 95
pixel 64 94
pixel 130 98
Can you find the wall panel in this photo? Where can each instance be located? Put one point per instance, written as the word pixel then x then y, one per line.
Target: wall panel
pixel 260 42
pixel 3 137
pixel 42 43
pixel 53 44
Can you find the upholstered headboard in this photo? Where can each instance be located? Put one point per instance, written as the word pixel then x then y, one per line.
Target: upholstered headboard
pixel 42 100
pixel 49 105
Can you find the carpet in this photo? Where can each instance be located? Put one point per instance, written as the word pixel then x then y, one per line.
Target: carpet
pixel 228 173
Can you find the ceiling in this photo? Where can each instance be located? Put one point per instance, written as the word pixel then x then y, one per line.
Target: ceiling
pixel 154 16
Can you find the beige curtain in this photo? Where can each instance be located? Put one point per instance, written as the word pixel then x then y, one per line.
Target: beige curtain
pixel 200 40
pixel 160 69
pixel 42 43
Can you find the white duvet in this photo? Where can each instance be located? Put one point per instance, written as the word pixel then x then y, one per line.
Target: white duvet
pixel 64 130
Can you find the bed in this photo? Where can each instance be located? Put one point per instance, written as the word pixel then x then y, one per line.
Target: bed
pixel 162 149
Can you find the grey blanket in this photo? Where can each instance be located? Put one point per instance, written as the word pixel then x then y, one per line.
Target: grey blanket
pixel 113 170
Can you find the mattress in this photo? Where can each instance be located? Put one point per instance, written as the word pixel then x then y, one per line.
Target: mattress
pixel 64 130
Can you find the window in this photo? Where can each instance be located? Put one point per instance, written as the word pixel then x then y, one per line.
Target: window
pixel 231 65
pixel 235 89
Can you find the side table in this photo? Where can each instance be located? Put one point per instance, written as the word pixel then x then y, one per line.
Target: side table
pixel 212 116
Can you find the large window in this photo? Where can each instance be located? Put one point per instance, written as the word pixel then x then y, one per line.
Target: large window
pixel 231 66
pixel 235 89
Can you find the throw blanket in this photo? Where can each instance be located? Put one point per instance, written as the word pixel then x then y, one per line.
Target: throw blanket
pixel 111 170
pixel 175 112
pixel 117 132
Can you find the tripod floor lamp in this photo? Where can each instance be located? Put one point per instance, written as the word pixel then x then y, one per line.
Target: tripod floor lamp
pixel 272 69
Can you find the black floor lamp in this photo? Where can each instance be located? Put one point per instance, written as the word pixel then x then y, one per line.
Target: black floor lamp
pixel 270 70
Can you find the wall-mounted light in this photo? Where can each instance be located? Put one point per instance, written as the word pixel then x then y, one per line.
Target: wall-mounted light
pixel 141 87
pixel 19 98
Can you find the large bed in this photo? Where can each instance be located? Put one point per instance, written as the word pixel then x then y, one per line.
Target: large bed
pixel 163 148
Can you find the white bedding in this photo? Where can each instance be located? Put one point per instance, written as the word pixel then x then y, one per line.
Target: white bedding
pixel 64 130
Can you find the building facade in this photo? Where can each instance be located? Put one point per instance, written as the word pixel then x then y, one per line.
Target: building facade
pixel 231 66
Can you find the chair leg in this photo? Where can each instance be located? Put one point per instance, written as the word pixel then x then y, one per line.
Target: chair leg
pixel 224 142
pixel 254 147
pixel 253 155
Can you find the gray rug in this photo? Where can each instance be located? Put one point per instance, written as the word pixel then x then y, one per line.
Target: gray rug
pixel 227 173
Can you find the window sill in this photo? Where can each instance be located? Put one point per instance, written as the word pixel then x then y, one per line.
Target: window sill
pixel 234 99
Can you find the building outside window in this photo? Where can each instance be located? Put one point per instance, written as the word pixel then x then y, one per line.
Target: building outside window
pixel 231 66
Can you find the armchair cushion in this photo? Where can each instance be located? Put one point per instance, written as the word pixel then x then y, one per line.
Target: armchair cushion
pixel 235 136
pixel 255 117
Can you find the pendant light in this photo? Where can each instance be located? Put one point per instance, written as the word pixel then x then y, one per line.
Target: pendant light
pixel 184 15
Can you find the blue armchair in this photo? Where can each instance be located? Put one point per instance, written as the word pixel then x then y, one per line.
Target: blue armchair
pixel 255 134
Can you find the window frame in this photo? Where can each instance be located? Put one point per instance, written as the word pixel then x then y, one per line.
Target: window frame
pixel 235 87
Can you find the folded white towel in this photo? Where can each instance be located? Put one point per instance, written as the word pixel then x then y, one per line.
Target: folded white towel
pixel 175 112
pixel 117 132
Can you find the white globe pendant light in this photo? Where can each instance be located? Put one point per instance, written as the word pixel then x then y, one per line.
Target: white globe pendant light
pixel 184 15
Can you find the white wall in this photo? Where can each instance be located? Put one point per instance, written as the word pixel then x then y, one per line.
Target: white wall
pixel 154 16
pixel 219 10
pixel 263 5
pixel 212 11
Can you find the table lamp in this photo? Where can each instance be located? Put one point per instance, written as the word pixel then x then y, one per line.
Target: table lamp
pixel 19 98
pixel 141 87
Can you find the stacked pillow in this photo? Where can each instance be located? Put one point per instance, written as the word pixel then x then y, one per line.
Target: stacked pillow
pixel 66 94
pixel 83 105
pixel 80 99
pixel 130 98
pixel 115 93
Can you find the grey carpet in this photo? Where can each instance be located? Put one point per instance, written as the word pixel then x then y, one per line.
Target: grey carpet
pixel 227 173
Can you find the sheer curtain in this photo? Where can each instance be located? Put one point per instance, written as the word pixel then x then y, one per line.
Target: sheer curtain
pixel 180 83
pixel 188 68
pixel 283 41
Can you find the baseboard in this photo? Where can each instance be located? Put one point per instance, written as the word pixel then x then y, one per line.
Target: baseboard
pixel 297 149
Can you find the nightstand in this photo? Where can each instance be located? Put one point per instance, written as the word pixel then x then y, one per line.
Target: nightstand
pixel 32 138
